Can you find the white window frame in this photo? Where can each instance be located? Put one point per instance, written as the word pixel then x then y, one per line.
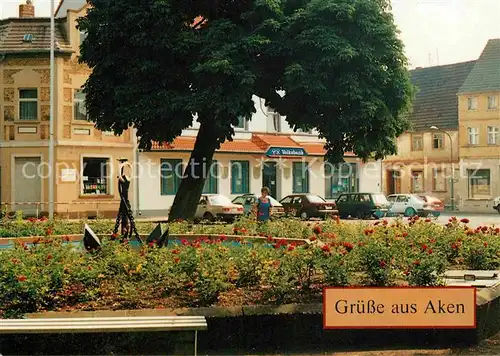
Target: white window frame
pixel 245 125
pixel 417 138
pixel 472 135
pixel 275 119
pixel 493 135
pixel 492 102
pixel 83 36
pixel 81 102
pixel 470 178
pixel 28 100
pixel 110 174
pixel 472 103
pixel 309 132
pixel 440 139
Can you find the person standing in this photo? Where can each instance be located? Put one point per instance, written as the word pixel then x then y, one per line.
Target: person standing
pixel 264 205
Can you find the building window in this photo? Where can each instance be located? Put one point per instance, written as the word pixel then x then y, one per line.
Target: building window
pixel 341 178
pixel 83 36
pixel 79 109
pixel 492 102
pixel 493 135
pixel 438 180
pixel 472 103
pixel 28 104
pixel 95 175
pixel 242 123
pixel 309 132
pixel 417 181
pixel 170 176
pixel 437 141
pixel 473 135
pixel 240 177
pixel 417 143
pixel 274 123
pixel 211 182
pixel 479 183
pixel 300 177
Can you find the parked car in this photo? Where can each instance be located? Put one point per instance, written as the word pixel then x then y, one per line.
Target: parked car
pixel 496 204
pixel 217 207
pixel 309 206
pixel 362 205
pixel 409 205
pixel 248 202
pixel 436 203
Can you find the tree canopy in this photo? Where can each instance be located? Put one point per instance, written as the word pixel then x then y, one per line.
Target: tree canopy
pixel 339 64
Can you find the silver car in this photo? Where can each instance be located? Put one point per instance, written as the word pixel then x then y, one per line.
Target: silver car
pixel 217 207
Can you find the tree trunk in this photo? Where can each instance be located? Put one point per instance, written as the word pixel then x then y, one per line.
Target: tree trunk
pixel 193 180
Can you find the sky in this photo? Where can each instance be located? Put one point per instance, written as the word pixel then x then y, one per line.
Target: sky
pixel 434 32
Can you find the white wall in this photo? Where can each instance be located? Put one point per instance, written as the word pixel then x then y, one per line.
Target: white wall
pixel 260 122
pixel 370 177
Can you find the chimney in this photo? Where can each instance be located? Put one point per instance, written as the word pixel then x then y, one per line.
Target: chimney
pixel 27 10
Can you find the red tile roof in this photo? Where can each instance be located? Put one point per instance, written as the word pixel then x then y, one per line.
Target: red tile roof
pixel 266 141
pixel 259 144
pixel 318 149
pixel 187 144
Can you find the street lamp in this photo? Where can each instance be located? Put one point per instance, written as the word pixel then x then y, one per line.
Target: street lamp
pixel 452 178
pixel 51 119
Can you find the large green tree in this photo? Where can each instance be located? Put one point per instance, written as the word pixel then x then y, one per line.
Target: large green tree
pixel 338 65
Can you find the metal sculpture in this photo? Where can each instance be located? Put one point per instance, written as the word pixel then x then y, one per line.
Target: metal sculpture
pixel 125 218
pixel 90 240
pixel 157 237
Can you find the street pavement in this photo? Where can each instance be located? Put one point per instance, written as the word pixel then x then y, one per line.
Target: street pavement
pixel 475 220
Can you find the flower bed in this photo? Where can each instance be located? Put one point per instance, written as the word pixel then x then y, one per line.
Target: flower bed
pixel 51 275
pixel 290 228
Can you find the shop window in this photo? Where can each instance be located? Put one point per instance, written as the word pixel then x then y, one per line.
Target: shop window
pixel 240 177
pixel 211 181
pixel 170 176
pixel 341 178
pixel 479 183
pixel 95 176
pixel 300 177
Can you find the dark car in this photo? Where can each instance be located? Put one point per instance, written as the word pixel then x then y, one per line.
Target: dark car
pixel 308 206
pixel 362 205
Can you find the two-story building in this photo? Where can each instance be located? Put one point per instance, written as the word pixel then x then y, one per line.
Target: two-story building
pixel 479 117
pixel 85 158
pixel 265 150
pixel 426 153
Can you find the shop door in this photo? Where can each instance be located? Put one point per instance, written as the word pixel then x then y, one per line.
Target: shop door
pixel 393 182
pixel 269 178
pixel 27 185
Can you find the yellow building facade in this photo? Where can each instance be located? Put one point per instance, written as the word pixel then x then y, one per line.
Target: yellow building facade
pixel 479 117
pixel 429 154
pixel 86 158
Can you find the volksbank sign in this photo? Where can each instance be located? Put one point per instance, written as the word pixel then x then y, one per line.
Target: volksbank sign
pixel 283 151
